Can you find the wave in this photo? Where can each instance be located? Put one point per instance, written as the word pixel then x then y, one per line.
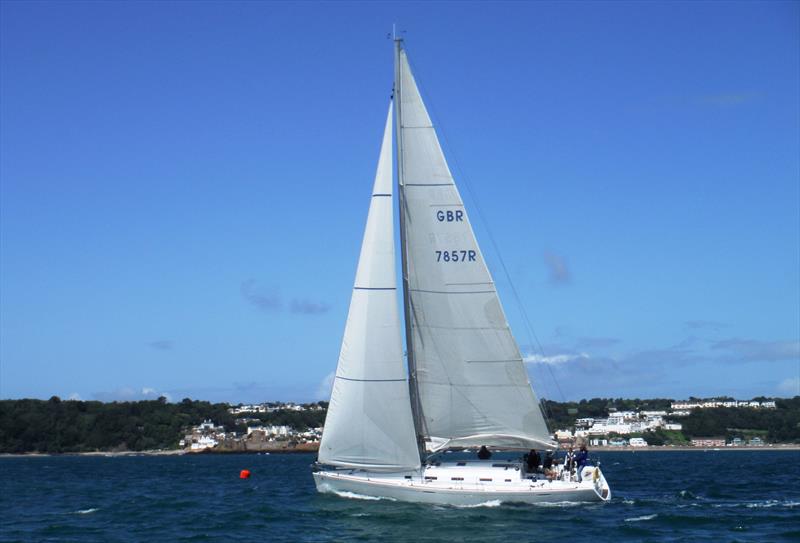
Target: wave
pixel 488 503
pixel 757 505
pixel 559 504
pixel 643 517
pixel 356 496
pixel 772 503
pixel 85 511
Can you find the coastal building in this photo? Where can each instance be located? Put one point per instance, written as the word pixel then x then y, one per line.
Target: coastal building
pixel 708 442
pixel 637 442
pixel 624 423
pixel 711 404
pixel 206 426
pixel 251 429
pixel 279 431
pixel 312 435
pixel 247 409
pixel 205 435
pixel 203 442
pixel 273 407
pixel 563 436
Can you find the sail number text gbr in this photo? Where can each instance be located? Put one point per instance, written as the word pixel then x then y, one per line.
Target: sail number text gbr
pixel 457 255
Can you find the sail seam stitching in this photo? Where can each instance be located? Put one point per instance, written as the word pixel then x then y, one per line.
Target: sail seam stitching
pixel 370 380
pixel 494 361
pixel 435 327
pixel 374 288
pixel 448 292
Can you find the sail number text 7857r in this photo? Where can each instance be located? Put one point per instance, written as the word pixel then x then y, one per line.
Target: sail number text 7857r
pixel 456 256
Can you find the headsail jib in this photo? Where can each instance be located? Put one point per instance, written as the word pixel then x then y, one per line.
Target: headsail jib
pixel 369 423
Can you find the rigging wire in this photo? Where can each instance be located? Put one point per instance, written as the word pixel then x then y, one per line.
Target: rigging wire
pixel 473 196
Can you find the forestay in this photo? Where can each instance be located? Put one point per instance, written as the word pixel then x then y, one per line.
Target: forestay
pixel 369 422
pixel 472 385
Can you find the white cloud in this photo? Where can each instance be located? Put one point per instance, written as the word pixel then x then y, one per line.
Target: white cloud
pixel 790 385
pixel 129 394
pixel 75 396
pixel 555 359
pixel 149 393
pixel 326 386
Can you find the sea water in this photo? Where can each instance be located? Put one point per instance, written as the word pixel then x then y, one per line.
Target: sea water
pixel 657 496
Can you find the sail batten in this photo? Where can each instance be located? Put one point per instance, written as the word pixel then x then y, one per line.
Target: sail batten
pixel 469 374
pixel 369 423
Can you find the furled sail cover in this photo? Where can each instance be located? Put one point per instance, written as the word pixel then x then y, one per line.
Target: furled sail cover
pixel 369 422
pixel 471 379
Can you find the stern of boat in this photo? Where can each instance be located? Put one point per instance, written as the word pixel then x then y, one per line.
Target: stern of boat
pixel 599 483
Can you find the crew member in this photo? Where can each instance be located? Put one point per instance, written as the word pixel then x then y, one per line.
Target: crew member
pixel 569 459
pixel 581 459
pixel 532 461
pixel 548 460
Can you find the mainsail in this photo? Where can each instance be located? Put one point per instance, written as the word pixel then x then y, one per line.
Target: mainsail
pixel 467 373
pixel 369 422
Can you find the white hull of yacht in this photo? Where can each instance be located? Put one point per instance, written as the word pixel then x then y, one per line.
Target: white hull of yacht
pixel 465 484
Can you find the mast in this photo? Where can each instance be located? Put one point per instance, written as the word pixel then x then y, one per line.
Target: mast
pixel 416 406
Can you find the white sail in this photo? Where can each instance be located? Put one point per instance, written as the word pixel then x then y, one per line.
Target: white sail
pixel 468 372
pixel 369 422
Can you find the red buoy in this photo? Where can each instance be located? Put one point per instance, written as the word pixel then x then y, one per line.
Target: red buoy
pixel 244 474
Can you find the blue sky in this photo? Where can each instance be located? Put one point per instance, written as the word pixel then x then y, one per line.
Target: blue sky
pixel 183 188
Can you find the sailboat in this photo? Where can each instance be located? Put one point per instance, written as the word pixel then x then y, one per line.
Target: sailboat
pixel 464 383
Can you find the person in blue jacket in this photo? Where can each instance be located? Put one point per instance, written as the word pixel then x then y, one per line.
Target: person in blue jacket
pixel 581 459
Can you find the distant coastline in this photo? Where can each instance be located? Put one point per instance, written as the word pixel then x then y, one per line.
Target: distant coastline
pixel 175 452
pixel 313 447
pixel 159 427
